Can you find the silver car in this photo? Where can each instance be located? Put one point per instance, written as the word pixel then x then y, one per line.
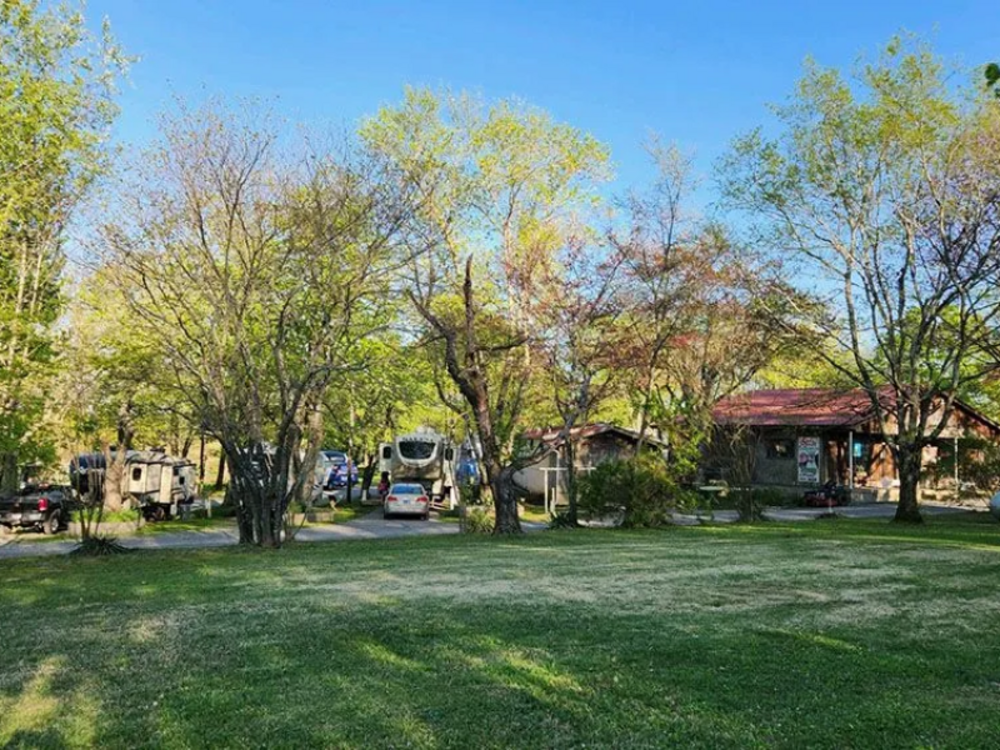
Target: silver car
pixel 408 500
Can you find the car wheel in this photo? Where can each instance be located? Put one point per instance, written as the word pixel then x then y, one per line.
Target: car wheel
pixel 51 525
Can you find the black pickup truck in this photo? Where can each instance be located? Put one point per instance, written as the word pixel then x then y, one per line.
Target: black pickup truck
pixel 39 506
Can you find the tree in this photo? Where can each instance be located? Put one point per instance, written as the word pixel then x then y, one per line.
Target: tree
pixel 583 341
pixel 108 393
pixel 255 274
pixel 885 191
pixel 663 270
pixel 499 187
pixel 56 108
pixel 699 330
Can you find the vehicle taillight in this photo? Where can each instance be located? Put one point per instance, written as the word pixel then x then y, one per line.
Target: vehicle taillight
pixel 391 499
pixel 421 499
pixel 43 504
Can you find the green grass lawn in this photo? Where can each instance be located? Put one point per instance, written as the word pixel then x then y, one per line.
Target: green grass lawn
pixel 828 634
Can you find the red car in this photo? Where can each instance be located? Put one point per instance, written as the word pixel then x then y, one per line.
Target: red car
pixel 827 495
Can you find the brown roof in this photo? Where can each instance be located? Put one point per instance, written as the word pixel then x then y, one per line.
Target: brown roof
pixel 551 434
pixel 808 407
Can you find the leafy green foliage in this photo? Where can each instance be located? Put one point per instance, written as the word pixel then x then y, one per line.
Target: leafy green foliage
pixel 644 490
pixel 56 107
pixel 99 546
pixel 882 185
pixel 992 75
pixel 476 520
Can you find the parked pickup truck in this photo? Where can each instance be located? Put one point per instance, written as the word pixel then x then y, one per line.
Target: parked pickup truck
pixel 40 506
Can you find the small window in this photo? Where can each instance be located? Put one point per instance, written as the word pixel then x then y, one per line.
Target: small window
pixel 387 452
pixel 136 474
pixel 781 449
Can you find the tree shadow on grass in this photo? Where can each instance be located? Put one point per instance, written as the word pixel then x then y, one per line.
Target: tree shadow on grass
pixel 225 649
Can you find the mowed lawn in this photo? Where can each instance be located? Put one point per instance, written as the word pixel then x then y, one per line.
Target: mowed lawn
pixel 830 634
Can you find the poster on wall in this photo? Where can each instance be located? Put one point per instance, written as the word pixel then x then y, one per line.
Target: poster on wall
pixel 808 460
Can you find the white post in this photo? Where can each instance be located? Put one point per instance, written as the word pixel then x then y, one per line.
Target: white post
pixel 958 494
pixel 850 459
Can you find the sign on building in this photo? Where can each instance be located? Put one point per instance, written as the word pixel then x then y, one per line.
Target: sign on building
pixel 808 460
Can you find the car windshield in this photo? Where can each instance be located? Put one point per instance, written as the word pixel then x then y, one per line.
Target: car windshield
pixel 407 489
pixel 416 450
pixel 335 458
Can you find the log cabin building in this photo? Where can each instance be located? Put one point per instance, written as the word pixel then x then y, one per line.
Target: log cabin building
pixel 802 438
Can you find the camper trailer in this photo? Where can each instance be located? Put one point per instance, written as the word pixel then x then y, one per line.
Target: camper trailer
pixel 159 483
pixel 423 456
pixel 154 481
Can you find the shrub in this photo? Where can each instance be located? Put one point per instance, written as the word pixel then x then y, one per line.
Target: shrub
pixel 470 493
pixel 561 521
pixel 477 521
pixel 98 546
pixel 644 490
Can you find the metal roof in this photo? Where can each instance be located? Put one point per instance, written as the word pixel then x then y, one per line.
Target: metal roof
pixel 553 434
pixel 808 407
pixel 814 407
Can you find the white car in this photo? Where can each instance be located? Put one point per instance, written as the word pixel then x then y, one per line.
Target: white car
pixel 407 499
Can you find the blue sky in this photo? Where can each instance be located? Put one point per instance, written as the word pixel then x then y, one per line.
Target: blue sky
pixel 699 73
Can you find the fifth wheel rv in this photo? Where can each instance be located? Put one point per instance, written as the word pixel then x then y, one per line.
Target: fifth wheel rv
pixel 423 456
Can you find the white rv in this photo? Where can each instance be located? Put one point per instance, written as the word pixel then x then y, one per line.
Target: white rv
pixel 423 456
pixel 159 483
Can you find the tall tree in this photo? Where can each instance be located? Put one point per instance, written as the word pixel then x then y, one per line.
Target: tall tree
pixel 255 274
pixel 56 108
pixel 695 298
pixel 499 186
pixel 581 312
pixel 884 188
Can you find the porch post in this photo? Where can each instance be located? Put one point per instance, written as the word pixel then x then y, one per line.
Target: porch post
pixel 958 493
pixel 850 459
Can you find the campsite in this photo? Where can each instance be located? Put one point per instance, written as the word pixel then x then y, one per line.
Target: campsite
pixel 476 375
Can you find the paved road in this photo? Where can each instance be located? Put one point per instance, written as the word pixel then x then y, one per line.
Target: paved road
pixel 373 526
pixel 862 510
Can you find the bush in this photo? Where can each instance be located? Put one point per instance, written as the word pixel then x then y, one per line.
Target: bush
pixel 561 521
pixel 98 546
pixel 644 490
pixel 470 493
pixel 477 521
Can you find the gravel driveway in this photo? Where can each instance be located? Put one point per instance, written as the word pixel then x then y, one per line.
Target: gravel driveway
pixel 371 526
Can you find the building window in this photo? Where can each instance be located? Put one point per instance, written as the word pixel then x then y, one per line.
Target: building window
pixel 781 449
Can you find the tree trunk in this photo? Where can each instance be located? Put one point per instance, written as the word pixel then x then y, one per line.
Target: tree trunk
pixel 257 488
pixel 908 461
pixel 505 502
pixel 8 473
pixel 220 477
pixel 369 474
pixel 314 437
pixel 114 477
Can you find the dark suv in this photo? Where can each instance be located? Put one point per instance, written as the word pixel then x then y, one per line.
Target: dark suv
pixel 39 506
